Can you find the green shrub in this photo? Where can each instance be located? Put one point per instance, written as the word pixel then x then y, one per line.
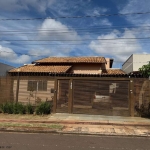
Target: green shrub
pixel 2 108
pixel 21 108
pixel 10 108
pixel 43 108
pixel 18 108
pixel 7 107
pixel 29 109
pixel 15 109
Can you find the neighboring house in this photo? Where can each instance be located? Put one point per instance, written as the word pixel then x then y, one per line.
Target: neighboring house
pixel 4 68
pixel 134 62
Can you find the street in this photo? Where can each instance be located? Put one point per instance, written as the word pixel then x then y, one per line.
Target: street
pixel 40 141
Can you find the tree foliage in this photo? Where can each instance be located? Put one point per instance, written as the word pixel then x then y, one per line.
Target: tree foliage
pixel 145 70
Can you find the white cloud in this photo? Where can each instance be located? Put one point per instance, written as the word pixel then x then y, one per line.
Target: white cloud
pixel 118 49
pixel 17 5
pixel 55 30
pixel 9 55
pixel 135 6
pixel 105 22
pixel 96 11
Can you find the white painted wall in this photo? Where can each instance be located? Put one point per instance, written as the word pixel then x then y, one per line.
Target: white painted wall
pixel 135 61
pixel 140 60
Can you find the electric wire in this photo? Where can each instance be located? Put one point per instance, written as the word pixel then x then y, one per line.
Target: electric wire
pixel 77 17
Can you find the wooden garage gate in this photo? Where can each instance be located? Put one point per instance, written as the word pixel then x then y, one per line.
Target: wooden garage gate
pixel 94 97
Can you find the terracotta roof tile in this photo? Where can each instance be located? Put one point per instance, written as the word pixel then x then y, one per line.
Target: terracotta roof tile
pixel 33 68
pixel 60 69
pixel 72 60
pixel 113 71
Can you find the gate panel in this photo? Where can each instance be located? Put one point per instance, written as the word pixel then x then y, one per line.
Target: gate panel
pixel 62 96
pixel 100 97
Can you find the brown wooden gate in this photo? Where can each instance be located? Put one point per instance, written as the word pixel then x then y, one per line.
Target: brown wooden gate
pixel 101 97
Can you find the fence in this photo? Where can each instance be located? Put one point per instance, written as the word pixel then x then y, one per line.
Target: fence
pixel 6 89
pixel 104 96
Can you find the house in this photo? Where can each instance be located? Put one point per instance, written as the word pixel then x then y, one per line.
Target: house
pixel 134 62
pixel 74 65
pixel 4 68
pixel 74 84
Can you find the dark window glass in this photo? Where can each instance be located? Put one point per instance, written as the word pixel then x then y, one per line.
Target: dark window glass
pixel 37 86
pixel 44 85
pixel 32 85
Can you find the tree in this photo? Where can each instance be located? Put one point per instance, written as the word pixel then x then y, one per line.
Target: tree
pixel 145 70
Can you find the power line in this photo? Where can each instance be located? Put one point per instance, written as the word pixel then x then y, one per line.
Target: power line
pixel 77 17
pixel 81 56
pixel 76 29
pixel 85 32
pixel 142 38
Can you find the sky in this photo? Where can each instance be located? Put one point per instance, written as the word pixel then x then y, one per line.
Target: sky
pixel 35 29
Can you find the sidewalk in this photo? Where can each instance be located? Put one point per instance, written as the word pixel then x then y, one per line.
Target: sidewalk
pixel 85 124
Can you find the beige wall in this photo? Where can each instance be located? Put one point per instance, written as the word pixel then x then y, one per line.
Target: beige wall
pixel 107 66
pixel 89 68
pixel 27 96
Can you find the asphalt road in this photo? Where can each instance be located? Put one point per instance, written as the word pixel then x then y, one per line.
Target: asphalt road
pixel 25 141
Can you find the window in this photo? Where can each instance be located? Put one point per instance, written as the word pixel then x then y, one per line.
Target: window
pixel 37 86
pixel 42 85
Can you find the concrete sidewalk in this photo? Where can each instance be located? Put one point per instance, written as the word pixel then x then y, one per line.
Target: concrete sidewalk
pixel 99 119
pixel 87 124
pixel 103 125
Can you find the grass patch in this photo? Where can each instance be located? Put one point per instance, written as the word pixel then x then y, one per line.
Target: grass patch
pixel 51 126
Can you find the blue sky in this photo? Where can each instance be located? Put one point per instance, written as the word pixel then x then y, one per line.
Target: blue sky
pixel 23 41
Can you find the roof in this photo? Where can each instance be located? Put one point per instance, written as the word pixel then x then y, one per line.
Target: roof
pixel 34 68
pixel 72 60
pixel 113 71
pixel 56 69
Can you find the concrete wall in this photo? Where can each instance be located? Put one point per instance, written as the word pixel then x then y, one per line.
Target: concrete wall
pixel 135 61
pixel 127 67
pixel 4 69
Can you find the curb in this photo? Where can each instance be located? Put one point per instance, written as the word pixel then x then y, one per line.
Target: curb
pixel 27 130
pixel 78 122
pixel 68 133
